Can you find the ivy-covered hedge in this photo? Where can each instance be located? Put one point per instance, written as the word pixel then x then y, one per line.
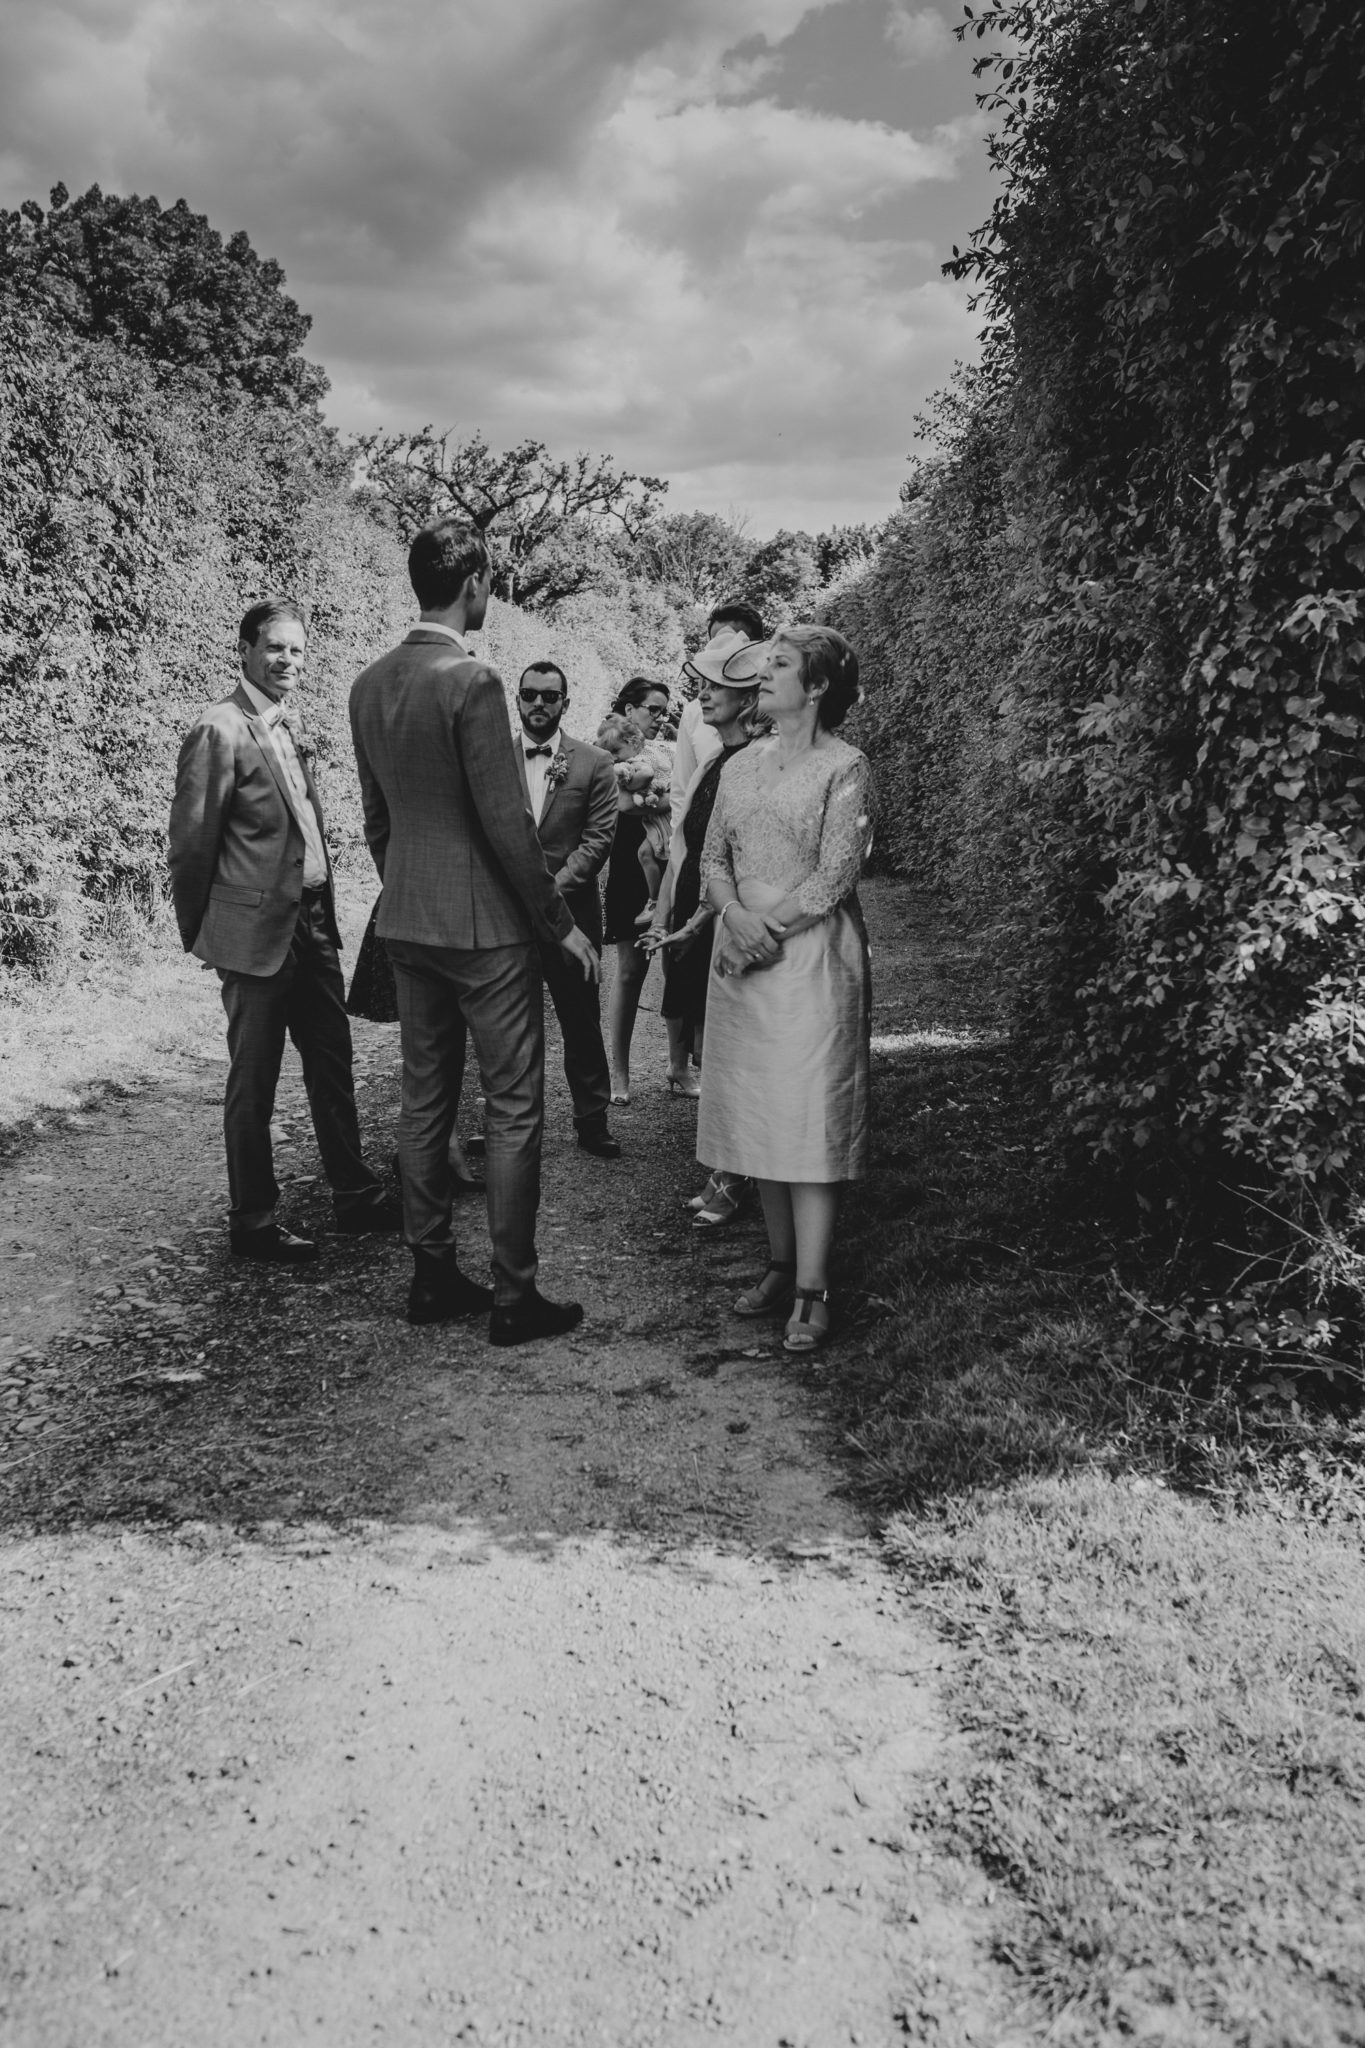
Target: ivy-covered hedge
pixel 934 620
pixel 141 514
pixel 1176 260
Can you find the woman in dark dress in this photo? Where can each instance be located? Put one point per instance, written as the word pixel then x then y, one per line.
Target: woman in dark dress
pixel 681 927
pixel 626 900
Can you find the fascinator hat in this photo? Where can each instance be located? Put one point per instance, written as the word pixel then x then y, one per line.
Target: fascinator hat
pixel 729 659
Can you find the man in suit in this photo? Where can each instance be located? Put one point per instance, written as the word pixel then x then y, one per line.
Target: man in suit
pixel 467 901
pixel 252 884
pixel 571 789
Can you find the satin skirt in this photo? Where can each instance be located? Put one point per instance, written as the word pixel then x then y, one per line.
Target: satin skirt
pixel 785 1067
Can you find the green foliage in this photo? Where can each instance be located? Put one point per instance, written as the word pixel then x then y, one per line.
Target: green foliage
pixel 553 524
pixel 935 624
pixel 135 528
pixel 161 283
pixel 1175 260
pixel 697 557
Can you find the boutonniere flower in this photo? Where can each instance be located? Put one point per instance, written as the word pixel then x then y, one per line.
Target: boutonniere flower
pixel 557 770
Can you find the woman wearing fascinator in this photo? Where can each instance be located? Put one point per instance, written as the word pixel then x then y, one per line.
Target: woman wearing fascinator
pixel 785 1081
pixel 726 673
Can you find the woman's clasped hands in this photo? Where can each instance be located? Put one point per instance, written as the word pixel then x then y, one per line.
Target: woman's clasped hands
pixel 748 939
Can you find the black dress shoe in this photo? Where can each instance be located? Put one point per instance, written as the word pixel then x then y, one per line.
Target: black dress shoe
pixel 273 1246
pixel 533 1316
pixel 359 1219
pixel 594 1137
pixel 441 1293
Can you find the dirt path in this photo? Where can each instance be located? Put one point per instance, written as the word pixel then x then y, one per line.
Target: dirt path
pixel 366 1683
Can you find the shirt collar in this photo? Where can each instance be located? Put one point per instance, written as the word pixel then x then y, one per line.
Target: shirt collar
pixel 447 632
pixel 265 707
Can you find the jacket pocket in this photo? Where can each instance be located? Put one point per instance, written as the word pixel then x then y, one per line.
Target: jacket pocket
pixel 228 892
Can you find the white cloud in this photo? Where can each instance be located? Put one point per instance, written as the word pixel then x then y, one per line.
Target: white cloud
pixel 569 218
pixel 917 35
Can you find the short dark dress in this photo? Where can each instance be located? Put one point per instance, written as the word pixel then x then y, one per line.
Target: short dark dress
pixel 687 973
pixel 627 891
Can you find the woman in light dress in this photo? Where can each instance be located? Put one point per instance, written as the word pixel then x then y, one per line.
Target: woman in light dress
pixel 785 1082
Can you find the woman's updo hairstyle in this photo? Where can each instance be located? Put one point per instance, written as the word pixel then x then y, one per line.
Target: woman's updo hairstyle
pixel 827 658
pixel 638 691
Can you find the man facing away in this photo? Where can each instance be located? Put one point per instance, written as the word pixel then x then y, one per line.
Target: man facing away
pixel 467 899
pixel 251 881
pixel 571 789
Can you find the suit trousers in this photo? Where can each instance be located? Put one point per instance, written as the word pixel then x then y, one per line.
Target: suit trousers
pixel 578 1007
pixel 495 993
pixel 305 1000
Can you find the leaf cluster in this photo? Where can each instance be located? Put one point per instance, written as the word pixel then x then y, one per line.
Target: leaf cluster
pixel 160 282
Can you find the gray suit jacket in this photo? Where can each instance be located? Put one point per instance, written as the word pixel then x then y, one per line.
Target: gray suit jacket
pixel 236 849
pixel 577 827
pixel 446 816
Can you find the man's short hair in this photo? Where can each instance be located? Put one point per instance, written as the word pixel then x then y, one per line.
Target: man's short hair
pixel 748 621
pixel 263 613
pixel 546 668
pixel 442 559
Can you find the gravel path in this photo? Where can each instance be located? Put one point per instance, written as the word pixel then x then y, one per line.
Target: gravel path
pixel 366 1683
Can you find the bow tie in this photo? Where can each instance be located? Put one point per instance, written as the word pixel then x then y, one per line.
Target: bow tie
pixel 531 752
pixel 285 715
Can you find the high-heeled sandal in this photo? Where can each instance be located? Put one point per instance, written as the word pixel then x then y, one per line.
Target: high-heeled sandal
pixel 720 1210
pixel 683 1084
pixel 763 1300
pixel 695 1202
pixel 803 1332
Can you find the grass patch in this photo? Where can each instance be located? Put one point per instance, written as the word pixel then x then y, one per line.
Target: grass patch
pixel 1158 1600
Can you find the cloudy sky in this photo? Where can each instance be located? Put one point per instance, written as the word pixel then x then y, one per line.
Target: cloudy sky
pixel 701 235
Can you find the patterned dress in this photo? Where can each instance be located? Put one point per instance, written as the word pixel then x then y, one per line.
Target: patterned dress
pixel 785 1076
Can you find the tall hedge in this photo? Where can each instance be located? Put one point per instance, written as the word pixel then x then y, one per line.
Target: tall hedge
pixel 1173 273
pixel 140 516
pixel 934 618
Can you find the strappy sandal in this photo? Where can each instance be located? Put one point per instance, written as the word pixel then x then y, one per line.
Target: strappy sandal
pixel 695 1202
pixel 803 1332
pixel 720 1209
pixel 764 1300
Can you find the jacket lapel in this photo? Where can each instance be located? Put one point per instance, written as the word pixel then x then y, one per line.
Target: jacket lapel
pixel 553 788
pixel 260 733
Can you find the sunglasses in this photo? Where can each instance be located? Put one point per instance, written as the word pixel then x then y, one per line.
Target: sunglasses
pixel 541 696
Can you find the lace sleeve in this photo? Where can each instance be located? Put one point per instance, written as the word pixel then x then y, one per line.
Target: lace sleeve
pixel 717 854
pixel 845 839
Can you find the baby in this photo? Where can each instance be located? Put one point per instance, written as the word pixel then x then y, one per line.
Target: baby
pixel 643 770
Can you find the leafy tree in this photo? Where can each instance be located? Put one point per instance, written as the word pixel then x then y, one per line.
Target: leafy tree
pixel 783 577
pixel 551 522
pixel 162 283
pixel 844 548
pixel 697 554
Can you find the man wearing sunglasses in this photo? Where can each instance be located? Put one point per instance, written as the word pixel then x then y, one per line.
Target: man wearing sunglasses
pixel 571 789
